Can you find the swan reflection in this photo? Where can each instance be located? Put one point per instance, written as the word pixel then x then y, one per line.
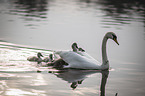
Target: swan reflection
pixel 76 77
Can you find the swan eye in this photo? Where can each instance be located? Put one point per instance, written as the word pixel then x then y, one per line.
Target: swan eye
pixel 114 37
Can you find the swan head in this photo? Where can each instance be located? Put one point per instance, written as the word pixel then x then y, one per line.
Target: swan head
pixel 51 57
pixel 112 36
pixel 39 54
pixel 74 46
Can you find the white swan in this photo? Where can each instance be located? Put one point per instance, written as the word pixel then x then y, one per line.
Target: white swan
pixel 82 60
pixel 37 58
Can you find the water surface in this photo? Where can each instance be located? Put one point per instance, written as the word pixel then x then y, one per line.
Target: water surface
pixel 31 26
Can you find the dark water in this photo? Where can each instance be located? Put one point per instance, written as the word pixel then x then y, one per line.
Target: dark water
pixel 31 26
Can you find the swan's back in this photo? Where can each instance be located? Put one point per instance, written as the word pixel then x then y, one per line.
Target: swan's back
pixel 79 60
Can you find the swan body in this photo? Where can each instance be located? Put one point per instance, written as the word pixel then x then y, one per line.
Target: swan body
pixel 36 58
pixel 81 60
pixel 78 60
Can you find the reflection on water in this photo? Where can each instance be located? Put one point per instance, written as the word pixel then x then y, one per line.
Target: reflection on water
pixel 113 12
pixel 32 83
pixel 120 12
pixel 103 82
pixel 30 9
pixel 76 77
pixel 19 84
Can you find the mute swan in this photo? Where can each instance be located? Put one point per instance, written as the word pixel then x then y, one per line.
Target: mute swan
pixel 36 58
pixel 82 60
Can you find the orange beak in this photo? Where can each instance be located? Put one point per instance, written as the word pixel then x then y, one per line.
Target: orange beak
pixel 116 41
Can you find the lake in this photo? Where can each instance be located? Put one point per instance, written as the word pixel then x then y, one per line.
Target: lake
pixel 31 26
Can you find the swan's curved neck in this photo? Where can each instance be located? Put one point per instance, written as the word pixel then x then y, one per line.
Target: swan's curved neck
pixel 104 53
